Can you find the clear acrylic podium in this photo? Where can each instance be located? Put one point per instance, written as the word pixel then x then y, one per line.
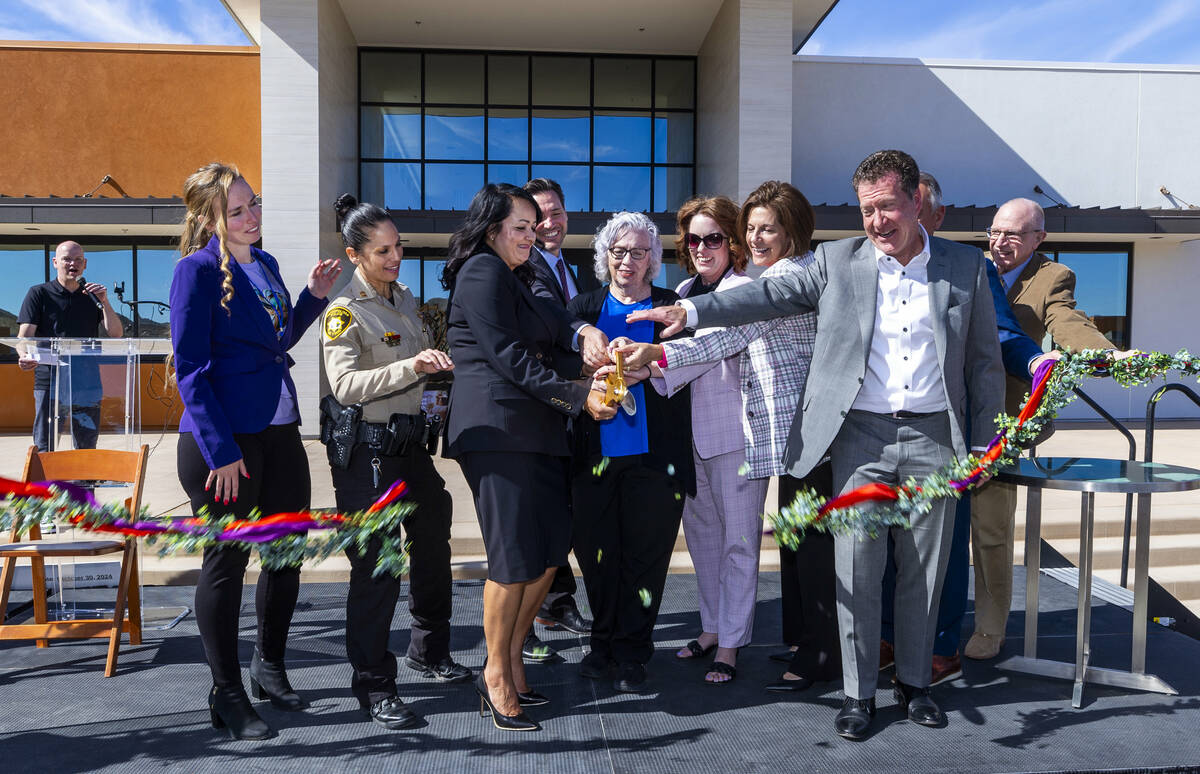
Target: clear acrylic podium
pixel 95 401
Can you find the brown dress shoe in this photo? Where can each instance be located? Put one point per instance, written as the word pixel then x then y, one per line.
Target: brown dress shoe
pixel 887 655
pixel 983 646
pixel 945 668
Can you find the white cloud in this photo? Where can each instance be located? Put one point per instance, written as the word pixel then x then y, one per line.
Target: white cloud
pixel 126 21
pixel 1166 17
pixel 120 21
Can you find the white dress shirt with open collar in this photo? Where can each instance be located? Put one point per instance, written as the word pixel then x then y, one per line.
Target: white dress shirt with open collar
pixel 902 369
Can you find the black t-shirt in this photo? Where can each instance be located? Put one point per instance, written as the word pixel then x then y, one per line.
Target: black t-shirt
pixel 59 313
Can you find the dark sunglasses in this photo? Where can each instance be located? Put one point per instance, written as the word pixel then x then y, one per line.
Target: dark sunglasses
pixel 711 241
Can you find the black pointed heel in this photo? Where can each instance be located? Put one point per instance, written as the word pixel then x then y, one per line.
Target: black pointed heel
pixel 268 680
pixel 518 722
pixel 532 698
pixel 230 709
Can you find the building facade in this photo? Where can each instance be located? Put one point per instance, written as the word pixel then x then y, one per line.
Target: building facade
pixel 639 106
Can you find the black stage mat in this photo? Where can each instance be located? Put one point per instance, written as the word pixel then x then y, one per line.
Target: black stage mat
pixel 59 714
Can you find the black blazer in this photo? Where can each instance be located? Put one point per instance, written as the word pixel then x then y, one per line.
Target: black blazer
pixel 546 285
pixel 668 420
pixel 506 394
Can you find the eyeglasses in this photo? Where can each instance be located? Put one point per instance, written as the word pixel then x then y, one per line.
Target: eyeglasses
pixel 636 253
pixel 712 241
pixel 1000 235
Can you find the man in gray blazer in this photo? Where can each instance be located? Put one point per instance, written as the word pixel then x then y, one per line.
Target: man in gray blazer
pixel 906 329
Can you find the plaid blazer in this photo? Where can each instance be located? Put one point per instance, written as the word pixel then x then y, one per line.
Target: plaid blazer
pixel 773 358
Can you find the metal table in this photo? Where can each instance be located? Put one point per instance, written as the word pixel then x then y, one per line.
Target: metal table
pixel 1089 476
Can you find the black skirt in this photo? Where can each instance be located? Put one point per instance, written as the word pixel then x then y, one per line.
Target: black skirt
pixel 522 501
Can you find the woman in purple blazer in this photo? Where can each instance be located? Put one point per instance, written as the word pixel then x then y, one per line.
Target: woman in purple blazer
pixel 232 323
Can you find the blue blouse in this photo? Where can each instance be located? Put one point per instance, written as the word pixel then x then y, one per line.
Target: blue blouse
pixel 625 435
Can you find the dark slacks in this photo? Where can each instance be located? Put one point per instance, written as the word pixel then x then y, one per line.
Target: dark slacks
pixel 85 423
pixel 371 601
pixel 626 522
pixel 279 481
pixel 809 589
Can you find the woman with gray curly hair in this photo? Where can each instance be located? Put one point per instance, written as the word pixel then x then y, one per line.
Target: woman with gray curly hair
pixel 631 472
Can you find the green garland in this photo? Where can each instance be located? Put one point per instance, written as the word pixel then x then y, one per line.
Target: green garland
pixel 326 535
pixel 915 497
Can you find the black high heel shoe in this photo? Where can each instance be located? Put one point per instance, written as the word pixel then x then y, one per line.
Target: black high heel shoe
pixel 229 708
pixel 532 698
pixel 268 680
pixel 518 722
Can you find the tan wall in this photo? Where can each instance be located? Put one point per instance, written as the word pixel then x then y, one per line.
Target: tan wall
pixel 161 407
pixel 146 115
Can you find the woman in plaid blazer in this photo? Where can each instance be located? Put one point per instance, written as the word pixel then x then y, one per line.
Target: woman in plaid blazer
pixel 776 224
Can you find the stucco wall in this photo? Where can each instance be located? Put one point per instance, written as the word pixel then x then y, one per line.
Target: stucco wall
pixel 147 116
pixel 1092 136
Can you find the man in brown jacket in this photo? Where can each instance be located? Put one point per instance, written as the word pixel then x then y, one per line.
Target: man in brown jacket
pixel 1042 295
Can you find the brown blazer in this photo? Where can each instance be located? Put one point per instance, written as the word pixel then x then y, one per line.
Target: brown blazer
pixel 1043 300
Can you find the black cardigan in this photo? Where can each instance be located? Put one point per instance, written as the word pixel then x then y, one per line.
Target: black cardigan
pixel 668 420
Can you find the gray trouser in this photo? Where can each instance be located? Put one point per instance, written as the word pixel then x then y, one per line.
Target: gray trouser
pixel 878 448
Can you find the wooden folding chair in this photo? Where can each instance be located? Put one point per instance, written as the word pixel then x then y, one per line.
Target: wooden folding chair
pixel 78 465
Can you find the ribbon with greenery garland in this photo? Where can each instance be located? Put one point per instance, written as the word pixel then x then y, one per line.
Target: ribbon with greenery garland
pixel 282 539
pixel 1053 388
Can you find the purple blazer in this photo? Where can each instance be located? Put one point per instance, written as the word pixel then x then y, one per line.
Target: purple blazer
pixel 230 367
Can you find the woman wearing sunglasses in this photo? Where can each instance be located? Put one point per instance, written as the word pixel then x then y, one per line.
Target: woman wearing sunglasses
pixel 777 225
pixel 721 521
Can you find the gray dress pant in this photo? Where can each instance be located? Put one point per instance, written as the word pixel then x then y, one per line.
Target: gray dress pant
pixel 880 448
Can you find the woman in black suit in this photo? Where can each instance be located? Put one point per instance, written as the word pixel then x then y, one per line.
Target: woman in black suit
pixel 507 427
pixel 627 512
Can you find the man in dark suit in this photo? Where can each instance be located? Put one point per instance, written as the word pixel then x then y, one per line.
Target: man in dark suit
pixel 906 331
pixel 555 281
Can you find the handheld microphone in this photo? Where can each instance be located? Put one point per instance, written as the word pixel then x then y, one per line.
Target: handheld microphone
pixel 96 301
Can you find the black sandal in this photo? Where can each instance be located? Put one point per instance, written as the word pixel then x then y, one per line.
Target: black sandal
pixel 696 650
pixel 721 668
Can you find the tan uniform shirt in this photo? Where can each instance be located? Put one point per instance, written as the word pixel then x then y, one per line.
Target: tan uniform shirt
pixel 368 345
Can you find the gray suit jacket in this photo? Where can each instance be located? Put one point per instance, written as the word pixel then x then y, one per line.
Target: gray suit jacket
pixel 841 285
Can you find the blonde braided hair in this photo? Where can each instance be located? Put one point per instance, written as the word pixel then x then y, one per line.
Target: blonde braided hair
pixel 206 197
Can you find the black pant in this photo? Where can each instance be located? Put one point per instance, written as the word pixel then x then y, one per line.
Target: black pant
pixel 85 423
pixel 808 589
pixel 279 481
pixel 560 596
pixel 371 601
pixel 626 522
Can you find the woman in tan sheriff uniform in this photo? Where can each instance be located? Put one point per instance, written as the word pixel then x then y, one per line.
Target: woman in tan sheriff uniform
pixel 377 354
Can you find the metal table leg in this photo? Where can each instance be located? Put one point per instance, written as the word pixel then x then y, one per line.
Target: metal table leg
pixel 1141 583
pixel 1083 620
pixel 1033 567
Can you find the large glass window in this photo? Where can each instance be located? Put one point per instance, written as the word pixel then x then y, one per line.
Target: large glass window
pixel 23 266
pixel 1101 288
pixel 616 132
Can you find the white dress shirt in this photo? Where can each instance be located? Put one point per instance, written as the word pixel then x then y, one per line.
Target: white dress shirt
pixel 902 369
pixel 552 261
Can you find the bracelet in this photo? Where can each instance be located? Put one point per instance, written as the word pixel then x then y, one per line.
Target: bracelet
pixel 662 361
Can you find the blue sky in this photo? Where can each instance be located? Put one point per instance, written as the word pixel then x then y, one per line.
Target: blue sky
pixel 121 21
pixel 1141 31
pixel 1129 31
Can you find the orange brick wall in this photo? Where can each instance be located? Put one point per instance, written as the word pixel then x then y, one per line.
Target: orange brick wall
pixel 146 115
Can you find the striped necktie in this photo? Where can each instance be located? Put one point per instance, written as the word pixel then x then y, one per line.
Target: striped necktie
pixel 562 279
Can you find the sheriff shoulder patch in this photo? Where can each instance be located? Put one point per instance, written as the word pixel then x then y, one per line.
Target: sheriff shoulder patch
pixel 337 320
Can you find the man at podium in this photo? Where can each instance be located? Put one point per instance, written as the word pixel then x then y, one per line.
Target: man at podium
pixel 67 306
